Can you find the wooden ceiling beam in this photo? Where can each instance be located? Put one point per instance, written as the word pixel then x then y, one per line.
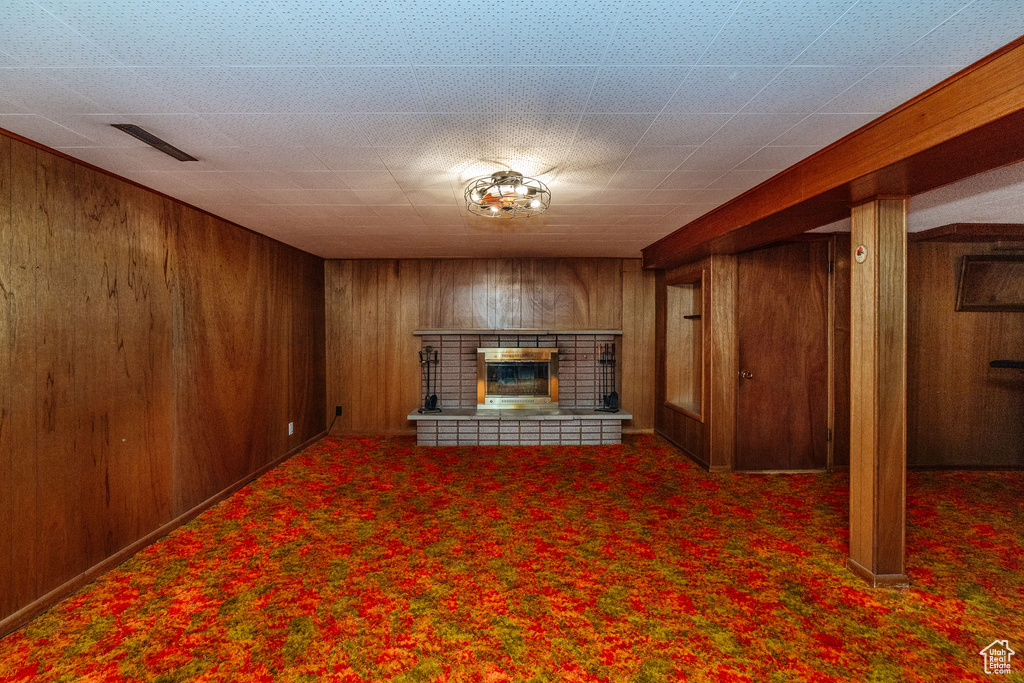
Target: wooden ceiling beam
pixel 969 123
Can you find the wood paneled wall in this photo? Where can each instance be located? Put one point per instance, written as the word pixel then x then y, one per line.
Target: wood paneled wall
pixel 961 412
pixel 373 307
pixel 151 356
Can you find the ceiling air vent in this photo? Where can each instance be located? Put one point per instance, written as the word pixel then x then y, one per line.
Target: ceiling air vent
pixel 154 141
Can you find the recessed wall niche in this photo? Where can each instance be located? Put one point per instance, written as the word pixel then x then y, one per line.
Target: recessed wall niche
pixel 684 347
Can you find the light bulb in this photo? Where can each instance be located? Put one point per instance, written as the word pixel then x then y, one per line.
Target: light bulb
pixel 535 203
pixel 475 196
pixel 494 209
pixel 521 189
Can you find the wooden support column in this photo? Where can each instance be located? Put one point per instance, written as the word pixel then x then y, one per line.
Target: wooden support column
pixel 878 391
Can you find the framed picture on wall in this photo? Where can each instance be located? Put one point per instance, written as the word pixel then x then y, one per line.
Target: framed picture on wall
pixel 991 283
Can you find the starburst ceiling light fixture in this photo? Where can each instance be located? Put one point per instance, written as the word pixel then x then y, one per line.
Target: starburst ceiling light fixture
pixel 507 194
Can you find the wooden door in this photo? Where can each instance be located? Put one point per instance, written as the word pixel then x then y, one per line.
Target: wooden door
pixel 782 324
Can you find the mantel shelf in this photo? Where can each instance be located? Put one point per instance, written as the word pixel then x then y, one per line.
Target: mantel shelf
pixel 422 333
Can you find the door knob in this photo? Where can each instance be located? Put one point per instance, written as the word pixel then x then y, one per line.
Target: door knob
pixel 746 374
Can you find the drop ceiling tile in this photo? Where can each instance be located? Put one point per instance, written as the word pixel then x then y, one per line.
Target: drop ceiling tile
pixel 472 88
pixel 804 89
pixel 117 89
pixel 714 89
pixel 160 181
pixel 413 159
pixel 666 31
pixel 182 32
pixel 776 158
pixel 683 129
pixel 185 131
pixel 768 32
pixel 340 158
pixel 549 88
pixel 656 158
pixel 570 32
pixel 431 198
pixel 263 180
pixel 612 130
pixel 369 180
pixel 7 61
pixel 207 180
pixel 980 28
pixel 717 158
pixel 396 130
pixel 468 131
pixel 443 32
pixel 269 89
pixel 671 197
pixel 376 88
pixel 635 180
pixel 381 198
pixel 529 131
pixel 318 180
pixel 289 130
pixel 755 130
pixel 35 92
pixel 354 32
pixel 689 180
pixel 635 88
pixel 127 160
pixel 873 31
pixel 35 37
pixel 823 129
pixel 885 88
pixel 285 159
pixel 741 179
pixel 43 130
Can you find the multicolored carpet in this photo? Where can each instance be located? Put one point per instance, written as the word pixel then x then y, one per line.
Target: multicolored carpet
pixel 372 560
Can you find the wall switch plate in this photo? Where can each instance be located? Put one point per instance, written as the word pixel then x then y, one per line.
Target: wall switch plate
pixel 291 428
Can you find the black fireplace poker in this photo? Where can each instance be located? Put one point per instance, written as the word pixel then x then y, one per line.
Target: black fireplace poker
pixel 428 357
pixel 606 363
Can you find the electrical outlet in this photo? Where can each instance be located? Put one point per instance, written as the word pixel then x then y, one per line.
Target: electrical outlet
pixel 337 410
pixel 291 428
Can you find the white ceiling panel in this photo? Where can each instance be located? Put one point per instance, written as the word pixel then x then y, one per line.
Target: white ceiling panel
pixel 354 32
pixel 711 89
pixel 765 32
pixel 35 37
pixel 635 88
pixel 683 129
pixel 667 31
pixel 183 32
pixel 804 89
pixel 37 127
pixel 375 88
pixel 571 32
pixel 873 31
pixel 978 29
pixel 350 128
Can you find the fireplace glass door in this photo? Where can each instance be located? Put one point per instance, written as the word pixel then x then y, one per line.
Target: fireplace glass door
pixel 517 377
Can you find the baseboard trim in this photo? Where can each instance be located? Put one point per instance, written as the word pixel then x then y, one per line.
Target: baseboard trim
pixel 638 430
pixel 34 609
pixel 877 580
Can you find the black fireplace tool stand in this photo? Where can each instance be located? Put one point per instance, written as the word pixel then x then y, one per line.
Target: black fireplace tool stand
pixel 428 358
pixel 606 374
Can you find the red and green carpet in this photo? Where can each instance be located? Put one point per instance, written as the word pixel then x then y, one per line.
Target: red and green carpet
pixel 373 560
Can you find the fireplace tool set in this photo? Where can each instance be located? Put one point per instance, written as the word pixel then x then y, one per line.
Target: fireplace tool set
pixel 428 357
pixel 606 365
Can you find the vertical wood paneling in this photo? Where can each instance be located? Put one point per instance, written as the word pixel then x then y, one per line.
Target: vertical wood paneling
pixel 637 351
pixel 841 352
pixel 122 365
pixel 339 308
pixel 22 298
pixel 6 437
pixel 59 529
pixel 961 412
pixel 151 357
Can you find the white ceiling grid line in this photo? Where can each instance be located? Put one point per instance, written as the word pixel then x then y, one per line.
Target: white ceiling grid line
pixel 350 128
